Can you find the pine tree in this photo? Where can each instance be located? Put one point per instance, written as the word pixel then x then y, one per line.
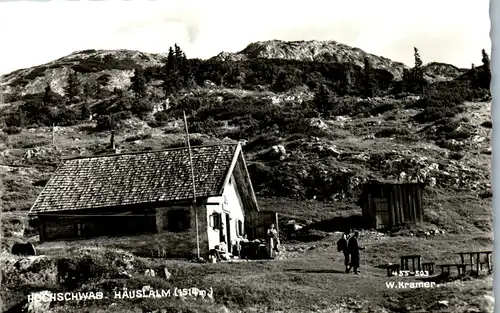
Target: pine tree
pixel 89 90
pixel 85 112
pixel 473 77
pixel 139 83
pixel 346 82
pixel 73 89
pixel 418 72
pixel 369 86
pixel 323 99
pixel 22 117
pixel 49 98
pixel 414 80
pixel 172 79
pixel 485 75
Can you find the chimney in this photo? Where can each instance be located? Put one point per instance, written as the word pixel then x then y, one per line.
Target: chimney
pixel 112 143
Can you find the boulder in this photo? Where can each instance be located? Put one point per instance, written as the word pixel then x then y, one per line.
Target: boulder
pixel 23 249
pixel 39 302
pixel 278 151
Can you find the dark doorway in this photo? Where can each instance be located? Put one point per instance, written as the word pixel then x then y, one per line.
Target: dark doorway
pixel 228 229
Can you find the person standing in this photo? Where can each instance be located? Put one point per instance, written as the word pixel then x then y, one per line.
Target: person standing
pixel 354 248
pixel 272 241
pixel 342 247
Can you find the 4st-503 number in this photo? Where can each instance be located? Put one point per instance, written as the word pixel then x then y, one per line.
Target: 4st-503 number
pixel 408 273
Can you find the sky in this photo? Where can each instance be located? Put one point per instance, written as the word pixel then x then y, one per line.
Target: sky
pixel 450 31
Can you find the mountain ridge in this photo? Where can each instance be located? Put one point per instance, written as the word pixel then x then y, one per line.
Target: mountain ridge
pixel 120 63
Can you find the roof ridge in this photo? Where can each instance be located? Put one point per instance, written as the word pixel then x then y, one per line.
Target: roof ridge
pixel 148 151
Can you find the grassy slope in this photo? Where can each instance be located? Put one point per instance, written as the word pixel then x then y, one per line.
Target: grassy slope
pixel 307 278
pixel 311 277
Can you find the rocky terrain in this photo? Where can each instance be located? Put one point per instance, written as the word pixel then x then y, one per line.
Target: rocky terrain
pixel 312 135
pixel 332 51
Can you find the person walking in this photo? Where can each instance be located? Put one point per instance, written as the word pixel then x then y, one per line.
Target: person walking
pixel 272 241
pixel 342 247
pixel 354 248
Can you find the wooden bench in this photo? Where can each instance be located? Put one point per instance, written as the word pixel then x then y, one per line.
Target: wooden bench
pixel 474 260
pixel 391 268
pixel 461 268
pixel 415 263
pixel 429 267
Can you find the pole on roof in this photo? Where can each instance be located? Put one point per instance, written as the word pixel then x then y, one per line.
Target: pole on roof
pixel 194 187
pixel 53 135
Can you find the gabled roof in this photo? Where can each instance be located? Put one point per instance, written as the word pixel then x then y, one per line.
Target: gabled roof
pixel 134 178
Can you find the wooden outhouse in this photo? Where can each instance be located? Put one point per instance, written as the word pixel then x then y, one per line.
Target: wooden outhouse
pixel 388 205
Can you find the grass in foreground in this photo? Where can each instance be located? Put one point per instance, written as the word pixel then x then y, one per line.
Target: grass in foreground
pixel 309 278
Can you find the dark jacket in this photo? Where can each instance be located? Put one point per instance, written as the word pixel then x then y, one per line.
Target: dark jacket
pixel 353 246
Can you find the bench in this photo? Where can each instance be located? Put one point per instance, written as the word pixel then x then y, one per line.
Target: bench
pixel 429 267
pixel 415 263
pixel 391 268
pixel 461 268
pixel 480 265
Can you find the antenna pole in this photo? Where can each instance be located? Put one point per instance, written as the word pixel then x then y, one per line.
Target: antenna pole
pixel 53 135
pixel 194 187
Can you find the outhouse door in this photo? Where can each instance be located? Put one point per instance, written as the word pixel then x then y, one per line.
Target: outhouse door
pixel 381 213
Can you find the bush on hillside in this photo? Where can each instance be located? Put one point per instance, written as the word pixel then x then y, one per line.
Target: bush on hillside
pixel 262 142
pixel 393 131
pixel 487 124
pixel 386 107
pixel 105 122
pixel 433 114
pixel 162 116
pixel 12 130
pixel 94 64
pixel 140 107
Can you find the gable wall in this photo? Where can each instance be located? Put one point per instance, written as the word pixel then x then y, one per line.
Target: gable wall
pixel 231 203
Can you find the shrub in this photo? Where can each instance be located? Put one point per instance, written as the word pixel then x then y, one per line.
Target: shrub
pixel 12 130
pixel 139 137
pixel 393 131
pixel 432 114
pixel 161 116
pixel 487 124
pixel 456 156
pixel 105 122
pixel 384 108
pixel 458 134
pixel 262 141
pixel 141 107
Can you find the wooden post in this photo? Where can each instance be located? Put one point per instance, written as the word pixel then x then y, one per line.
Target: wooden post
pixel 112 140
pixel 477 263
pixel 194 187
pixel 53 135
pixel 395 209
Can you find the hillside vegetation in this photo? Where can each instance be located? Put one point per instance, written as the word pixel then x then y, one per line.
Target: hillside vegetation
pixel 316 119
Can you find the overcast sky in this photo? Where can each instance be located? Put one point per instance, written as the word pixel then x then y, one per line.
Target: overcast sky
pixel 451 31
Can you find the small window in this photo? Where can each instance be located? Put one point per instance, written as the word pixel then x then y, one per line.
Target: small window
pixel 178 220
pixel 216 220
pixel 80 229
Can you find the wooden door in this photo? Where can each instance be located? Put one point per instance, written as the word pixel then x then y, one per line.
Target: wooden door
pixel 381 213
pixel 228 230
pixel 257 223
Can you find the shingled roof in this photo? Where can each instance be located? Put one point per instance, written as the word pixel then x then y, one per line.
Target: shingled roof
pixel 134 178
